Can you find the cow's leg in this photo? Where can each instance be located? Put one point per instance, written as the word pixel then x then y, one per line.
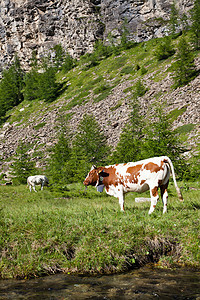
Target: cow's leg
pixel 154 198
pixel 30 187
pixel 34 188
pixel 42 184
pixel 164 195
pixel 121 201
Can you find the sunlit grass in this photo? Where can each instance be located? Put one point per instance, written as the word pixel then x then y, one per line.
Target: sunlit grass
pixel 42 233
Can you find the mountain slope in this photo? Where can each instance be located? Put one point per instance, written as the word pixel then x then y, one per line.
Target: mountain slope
pixel 105 91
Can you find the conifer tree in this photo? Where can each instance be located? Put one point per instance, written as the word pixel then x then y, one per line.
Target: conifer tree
pixel 59 56
pixel 68 63
pixel 89 146
pixel 11 87
pixel 59 168
pixel 40 82
pixel 160 139
pixel 31 89
pixel 22 166
pixel 48 87
pixel 130 143
pixel 140 89
pixel 185 69
pixel 31 80
pixel 164 49
pixel 174 20
pixel 195 27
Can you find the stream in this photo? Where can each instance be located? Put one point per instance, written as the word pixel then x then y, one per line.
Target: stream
pixel 144 283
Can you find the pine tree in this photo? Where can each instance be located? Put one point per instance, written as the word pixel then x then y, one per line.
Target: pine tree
pixel 40 82
pixel 160 139
pixel 125 43
pixel 31 81
pixel 195 27
pixel 59 167
pixel 173 20
pixel 68 63
pixel 48 87
pixel 89 146
pixel 185 68
pixel 22 166
pixel 140 89
pixel 58 56
pixel 11 87
pixel 164 49
pixel 130 143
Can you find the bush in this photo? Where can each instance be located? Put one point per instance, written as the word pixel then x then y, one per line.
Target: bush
pixel 164 49
pixel 140 89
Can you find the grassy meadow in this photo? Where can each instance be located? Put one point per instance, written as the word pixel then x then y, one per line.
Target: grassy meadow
pixel 85 232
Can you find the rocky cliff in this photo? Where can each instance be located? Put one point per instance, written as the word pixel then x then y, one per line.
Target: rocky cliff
pixel 40 24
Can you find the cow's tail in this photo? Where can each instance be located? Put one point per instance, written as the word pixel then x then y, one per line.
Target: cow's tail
pixel 168 160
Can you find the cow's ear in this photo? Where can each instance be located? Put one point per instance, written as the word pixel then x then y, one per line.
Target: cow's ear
pixel 103 173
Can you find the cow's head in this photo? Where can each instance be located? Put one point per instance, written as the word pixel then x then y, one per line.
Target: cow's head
pixel 94 176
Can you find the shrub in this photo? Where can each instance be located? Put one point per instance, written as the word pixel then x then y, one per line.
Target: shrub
pixel 140 89
pixel 164 49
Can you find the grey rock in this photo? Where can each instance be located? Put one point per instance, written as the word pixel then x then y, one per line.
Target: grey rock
pixel 76 24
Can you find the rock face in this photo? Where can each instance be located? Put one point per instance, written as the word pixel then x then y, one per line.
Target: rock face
pixel 40 24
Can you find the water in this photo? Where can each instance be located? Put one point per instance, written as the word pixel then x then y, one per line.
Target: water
pixel 146 283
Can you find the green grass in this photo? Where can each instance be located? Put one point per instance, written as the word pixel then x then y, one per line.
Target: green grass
pixel 40 125
pixel 31 108
pixel 174 114
pixel 116 106
pixel 42 233
pixel 184 130
pixel 128 70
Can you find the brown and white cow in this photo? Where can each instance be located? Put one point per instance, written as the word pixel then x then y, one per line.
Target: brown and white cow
pixel 149 174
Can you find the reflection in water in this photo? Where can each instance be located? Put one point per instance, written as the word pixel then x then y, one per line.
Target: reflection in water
pixel 145 283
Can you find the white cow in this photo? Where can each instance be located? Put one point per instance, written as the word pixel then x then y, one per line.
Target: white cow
pixel 32 181
pixel 149 174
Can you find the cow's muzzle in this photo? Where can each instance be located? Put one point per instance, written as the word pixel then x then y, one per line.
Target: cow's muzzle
pixel 85 182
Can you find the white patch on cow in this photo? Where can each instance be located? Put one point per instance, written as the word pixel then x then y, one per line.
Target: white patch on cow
pixel 117 191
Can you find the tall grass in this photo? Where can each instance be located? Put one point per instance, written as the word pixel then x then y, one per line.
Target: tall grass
pixel 41 233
